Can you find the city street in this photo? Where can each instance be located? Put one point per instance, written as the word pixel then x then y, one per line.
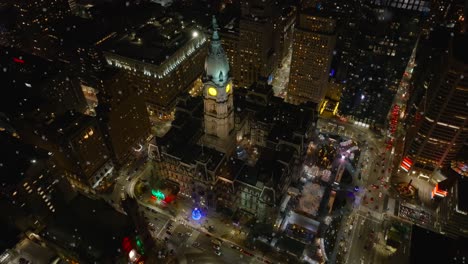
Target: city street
pixel 369 205
pixel 196 248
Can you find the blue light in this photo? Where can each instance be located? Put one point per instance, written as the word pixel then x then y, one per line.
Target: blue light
pixel 196 214
pixel 332 72
pixel 270 79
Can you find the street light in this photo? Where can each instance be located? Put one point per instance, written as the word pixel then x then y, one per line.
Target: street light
pixel 195 34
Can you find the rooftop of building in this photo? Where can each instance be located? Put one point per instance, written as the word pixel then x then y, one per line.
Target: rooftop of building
pixel 269 109
pixel 445 249
pixel 68 124
pixel 17 158
pixel 79 32
pixel 24 75
pixel 266 172
pixel 32 252
pixel 290 245
pixel 462 202
pixel 124 15
pixel 230 168
pixel 180 140
pixel 9 229
pixel 154 41
pixel 460 42
pixel 90 228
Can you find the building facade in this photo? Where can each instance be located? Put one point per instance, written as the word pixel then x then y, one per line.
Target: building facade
pixel 314 41
pixel 80 149
pixel 379 41
pixel 218 98
pixel 162 62
pixel 257 41
pixel 442 122
pixel 123 117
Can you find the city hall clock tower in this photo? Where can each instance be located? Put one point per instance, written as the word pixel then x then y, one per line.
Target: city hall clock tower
pixel 218 98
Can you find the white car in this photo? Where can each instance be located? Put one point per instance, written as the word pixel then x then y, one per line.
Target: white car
pixel 217 252
pixel 380 194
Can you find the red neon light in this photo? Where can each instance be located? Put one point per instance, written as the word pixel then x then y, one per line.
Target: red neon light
pixel 18 60
pixel 440 192
pixel 404 165
pixel 127 244
pixel 169 198
pixel 408 160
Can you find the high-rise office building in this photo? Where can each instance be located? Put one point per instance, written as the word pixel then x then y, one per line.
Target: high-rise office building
pixel 123 117
pixel 229 36
pixel 314 41
pixel 376 58
pixel 453 209
pixel 29 181
pixel 78 147
pixel 163 58
pixel 441 120
pixel 257 41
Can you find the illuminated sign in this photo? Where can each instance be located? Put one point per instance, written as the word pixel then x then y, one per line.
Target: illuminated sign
pixel 158 194
pixel 406 164
pixel 438 192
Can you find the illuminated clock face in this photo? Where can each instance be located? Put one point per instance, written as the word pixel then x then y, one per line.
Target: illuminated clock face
pixel 228 87
pixel 212 91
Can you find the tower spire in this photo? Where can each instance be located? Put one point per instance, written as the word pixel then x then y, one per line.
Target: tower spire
pixel 216 63
pixel 214 24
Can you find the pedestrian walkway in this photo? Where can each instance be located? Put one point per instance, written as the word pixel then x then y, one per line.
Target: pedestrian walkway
pixel 194 236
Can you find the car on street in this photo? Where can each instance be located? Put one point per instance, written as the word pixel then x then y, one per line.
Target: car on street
pixel 218 253
pixel 380 194
pixel 169 233
pixel 216 242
